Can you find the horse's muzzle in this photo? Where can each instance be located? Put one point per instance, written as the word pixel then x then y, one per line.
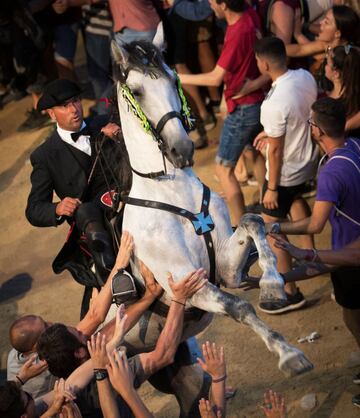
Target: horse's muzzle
pixel 181 154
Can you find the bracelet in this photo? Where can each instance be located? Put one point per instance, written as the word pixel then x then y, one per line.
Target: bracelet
pixel 221 379
pixel 176 301
pixel 18 378
pixel 272 190
pixel 311 255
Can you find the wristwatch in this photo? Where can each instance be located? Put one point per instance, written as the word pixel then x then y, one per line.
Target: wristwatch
pixel 100 374
pixel 275 228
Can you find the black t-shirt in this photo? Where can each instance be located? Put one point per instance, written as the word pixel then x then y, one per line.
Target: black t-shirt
pixel 88 399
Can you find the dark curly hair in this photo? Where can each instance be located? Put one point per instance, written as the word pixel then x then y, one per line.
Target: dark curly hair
pixel 11 404
pixel 57 345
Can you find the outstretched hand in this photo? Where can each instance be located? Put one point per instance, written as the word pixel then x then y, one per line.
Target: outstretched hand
pixel 97 350
pixel 119 330
pixel 283 244
pixel 62 394
pixel 120 374
pixel 152 286
pixel 207 411
pixel 125 251
pixel 214 360
pixel 274 405
pixel 187 286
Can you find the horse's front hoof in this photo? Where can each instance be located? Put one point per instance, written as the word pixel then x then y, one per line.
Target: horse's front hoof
pixel 271 292
pixel 294 363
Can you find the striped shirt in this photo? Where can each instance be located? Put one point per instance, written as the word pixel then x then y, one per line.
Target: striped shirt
pixel 97 19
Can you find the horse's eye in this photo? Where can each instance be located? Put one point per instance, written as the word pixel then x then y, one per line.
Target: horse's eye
pixel 136 93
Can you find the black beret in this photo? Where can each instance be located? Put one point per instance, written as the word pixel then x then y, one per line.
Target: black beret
pixel 57 93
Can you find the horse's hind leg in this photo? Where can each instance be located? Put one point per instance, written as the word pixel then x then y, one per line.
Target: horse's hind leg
pixel 232 256
pixel 186 380
pixel 291 360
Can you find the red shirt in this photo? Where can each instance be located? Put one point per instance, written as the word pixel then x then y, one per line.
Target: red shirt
pixel 138 15
pixel 238 59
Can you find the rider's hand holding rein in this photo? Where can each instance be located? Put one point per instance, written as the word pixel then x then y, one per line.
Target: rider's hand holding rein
pixel 186 287
pixel 67 206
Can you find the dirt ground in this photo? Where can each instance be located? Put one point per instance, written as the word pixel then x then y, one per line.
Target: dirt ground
pixel 28 285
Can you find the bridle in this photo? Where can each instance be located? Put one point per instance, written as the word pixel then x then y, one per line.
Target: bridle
pixel 155 131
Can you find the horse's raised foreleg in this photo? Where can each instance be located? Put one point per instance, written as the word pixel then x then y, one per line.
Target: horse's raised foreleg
pixel 291 360
pixel 232 256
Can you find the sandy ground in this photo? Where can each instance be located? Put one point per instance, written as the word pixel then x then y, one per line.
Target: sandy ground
pixel 28 285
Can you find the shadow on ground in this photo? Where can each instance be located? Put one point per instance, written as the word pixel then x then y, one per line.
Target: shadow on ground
pixel 15 286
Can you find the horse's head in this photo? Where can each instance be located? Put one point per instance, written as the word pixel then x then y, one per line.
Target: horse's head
pixel 151 93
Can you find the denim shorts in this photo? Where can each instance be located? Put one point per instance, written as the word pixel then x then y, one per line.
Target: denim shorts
pixel 240 128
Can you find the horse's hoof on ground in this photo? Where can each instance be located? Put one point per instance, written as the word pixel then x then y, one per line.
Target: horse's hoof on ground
pixel 272 292
pixel 294 363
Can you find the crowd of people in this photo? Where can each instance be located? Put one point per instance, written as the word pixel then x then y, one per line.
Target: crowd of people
pixel 287 72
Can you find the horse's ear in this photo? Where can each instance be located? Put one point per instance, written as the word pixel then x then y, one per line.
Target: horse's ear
pixel 158 40
pixel 121 56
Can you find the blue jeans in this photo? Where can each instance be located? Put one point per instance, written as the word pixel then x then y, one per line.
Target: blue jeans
pixel 240 128
pixel 65 38
pixel 99 67
pixel 127 35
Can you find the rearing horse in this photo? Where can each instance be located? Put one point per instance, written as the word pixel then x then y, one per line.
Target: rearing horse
pixel 178 225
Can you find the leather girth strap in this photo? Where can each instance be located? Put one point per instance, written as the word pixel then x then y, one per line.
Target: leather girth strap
pixel 202 221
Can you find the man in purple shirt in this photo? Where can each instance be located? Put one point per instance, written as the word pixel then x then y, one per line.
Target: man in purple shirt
pixel 337 200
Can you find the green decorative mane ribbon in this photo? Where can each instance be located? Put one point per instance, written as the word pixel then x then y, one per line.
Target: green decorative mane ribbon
pixel 135 108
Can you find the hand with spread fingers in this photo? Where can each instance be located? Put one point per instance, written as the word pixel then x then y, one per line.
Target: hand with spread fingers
pixel 207 411
pixel 274 405
pixel 119 330
pixel 97 349
pixel 186 287
pixel 214 360
pixel 120 374
pixel 294 251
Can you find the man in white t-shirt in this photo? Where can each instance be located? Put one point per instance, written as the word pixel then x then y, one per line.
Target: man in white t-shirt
pixel 290 155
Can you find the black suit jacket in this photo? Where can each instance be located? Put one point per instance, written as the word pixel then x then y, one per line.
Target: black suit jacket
pixel 55 169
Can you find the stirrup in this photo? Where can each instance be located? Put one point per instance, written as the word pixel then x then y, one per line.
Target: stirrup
pixel 123 288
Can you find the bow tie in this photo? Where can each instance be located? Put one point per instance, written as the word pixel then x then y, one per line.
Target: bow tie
pixel 76 135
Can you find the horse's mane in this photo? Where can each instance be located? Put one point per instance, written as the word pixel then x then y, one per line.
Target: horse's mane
pixel 143 57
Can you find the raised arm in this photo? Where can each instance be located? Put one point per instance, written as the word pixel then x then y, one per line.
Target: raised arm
pixel 170 336
pixel 212 78
pixel 305 50
pixel 101 304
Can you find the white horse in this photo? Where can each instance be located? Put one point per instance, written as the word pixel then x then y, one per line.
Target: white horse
pixel 194 224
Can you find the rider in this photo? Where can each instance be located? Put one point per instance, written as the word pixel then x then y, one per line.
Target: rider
pixel 68 164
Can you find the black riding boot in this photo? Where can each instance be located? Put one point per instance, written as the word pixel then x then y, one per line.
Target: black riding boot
pixel 89 219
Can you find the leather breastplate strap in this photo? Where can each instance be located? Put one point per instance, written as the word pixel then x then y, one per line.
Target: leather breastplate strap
pixel 202 221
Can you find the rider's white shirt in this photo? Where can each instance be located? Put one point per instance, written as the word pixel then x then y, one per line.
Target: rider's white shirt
pixel 83 142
